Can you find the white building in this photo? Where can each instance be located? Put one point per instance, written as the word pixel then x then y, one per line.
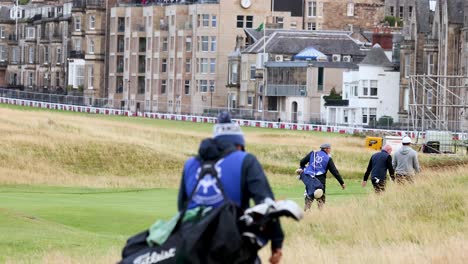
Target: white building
pixel 371 91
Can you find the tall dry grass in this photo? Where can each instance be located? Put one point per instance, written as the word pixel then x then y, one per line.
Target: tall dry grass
pixel 426 222
pixel 64 149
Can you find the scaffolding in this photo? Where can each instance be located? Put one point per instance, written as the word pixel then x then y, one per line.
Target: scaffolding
pixel 438 102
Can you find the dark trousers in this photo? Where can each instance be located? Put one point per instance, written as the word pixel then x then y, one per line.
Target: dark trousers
pixel 379 187
pixel 402 179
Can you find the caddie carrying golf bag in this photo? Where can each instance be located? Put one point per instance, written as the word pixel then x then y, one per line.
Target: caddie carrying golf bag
pixel 223 235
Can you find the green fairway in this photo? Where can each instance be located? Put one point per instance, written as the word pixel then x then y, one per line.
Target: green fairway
pixel 35 219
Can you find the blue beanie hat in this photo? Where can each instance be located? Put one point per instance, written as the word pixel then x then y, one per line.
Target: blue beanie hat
pixel 227 131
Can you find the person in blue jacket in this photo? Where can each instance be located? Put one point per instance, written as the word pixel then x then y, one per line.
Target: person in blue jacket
pixel 317 164
pixel 379 163
pixel 240 173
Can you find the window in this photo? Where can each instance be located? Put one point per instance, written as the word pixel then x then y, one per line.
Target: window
pixel 312 9
pixel 119 85
pixel 213 43
pixel 46 54
pixel 164 44
pixel 120 24
pixel 345 116
pixel 355 89
pixel 187 87
pixel 311 26
pixel 141 85
pixel 57 78
pixel 204 43
pixel 127 44
pixel 253 68
pixel 203 86
pixel 249 22
pixel 372 116
pixel 212 65
pixel 77 23
pixel 234 73
pixel 430 64
pixel 214 21
pixel 120 64
pixel 350 9
pixel 279 21
pixel 171 64
pixel 364 115
pixel 410 11
pixel 77 44
pixel 188 44
pixel 90 77
pixel 204 65
pixel 30 32
pixel 240 21
pixel 59 55
pixel 148 64
pixel 163 86
pixel 91 45
pixel 3 53
pixel 365 87
pixel 92 21
pixel 79 75
pixel 249 100
pixel 373 88
pixel 188 65
pixel 401 12
pixel 15 54
pixel 392 11
pixel 2 32
pixel 320 79
pixel 164 65
pixel 31 78
pixel 205 20
pixel 172 43
pixel 31 54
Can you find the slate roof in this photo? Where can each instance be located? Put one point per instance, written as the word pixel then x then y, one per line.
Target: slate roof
pixel 423 14
pixel 455 11
pixel 301 64
pixel 292 42
pixel 376 57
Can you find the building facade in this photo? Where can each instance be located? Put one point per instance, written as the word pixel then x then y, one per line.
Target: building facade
pixel 343 14
pixel 173 57
pixel 369 93
pixel 284 74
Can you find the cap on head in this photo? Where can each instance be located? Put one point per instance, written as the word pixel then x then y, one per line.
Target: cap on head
pixel 406 140
pixel 227 131
pixel 325 146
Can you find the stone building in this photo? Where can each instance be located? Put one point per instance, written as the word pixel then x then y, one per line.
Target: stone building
pixel 343 14
pixel 285 74
pixel 55 48
pixel 172 57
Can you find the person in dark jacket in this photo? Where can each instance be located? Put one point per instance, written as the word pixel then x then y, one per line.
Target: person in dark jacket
pixel 379 163
pixel 318 164
pixel 240 173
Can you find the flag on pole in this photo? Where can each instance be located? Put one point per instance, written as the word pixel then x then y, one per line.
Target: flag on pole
pixel 261 27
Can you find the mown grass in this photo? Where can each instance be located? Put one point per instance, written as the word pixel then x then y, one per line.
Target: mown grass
pixel 113 176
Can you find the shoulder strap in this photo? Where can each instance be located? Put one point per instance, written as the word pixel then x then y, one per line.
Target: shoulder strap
pixel 207 167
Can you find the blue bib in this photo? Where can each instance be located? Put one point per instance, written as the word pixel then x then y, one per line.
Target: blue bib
pixel 208 193
pixel 318 163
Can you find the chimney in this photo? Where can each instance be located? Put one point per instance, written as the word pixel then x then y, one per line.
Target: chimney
pixel 383 37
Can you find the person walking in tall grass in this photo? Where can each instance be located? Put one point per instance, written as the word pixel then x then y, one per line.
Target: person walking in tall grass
pixel 379 163
pixel 317 164
pixel 405 162
pixel 240 173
